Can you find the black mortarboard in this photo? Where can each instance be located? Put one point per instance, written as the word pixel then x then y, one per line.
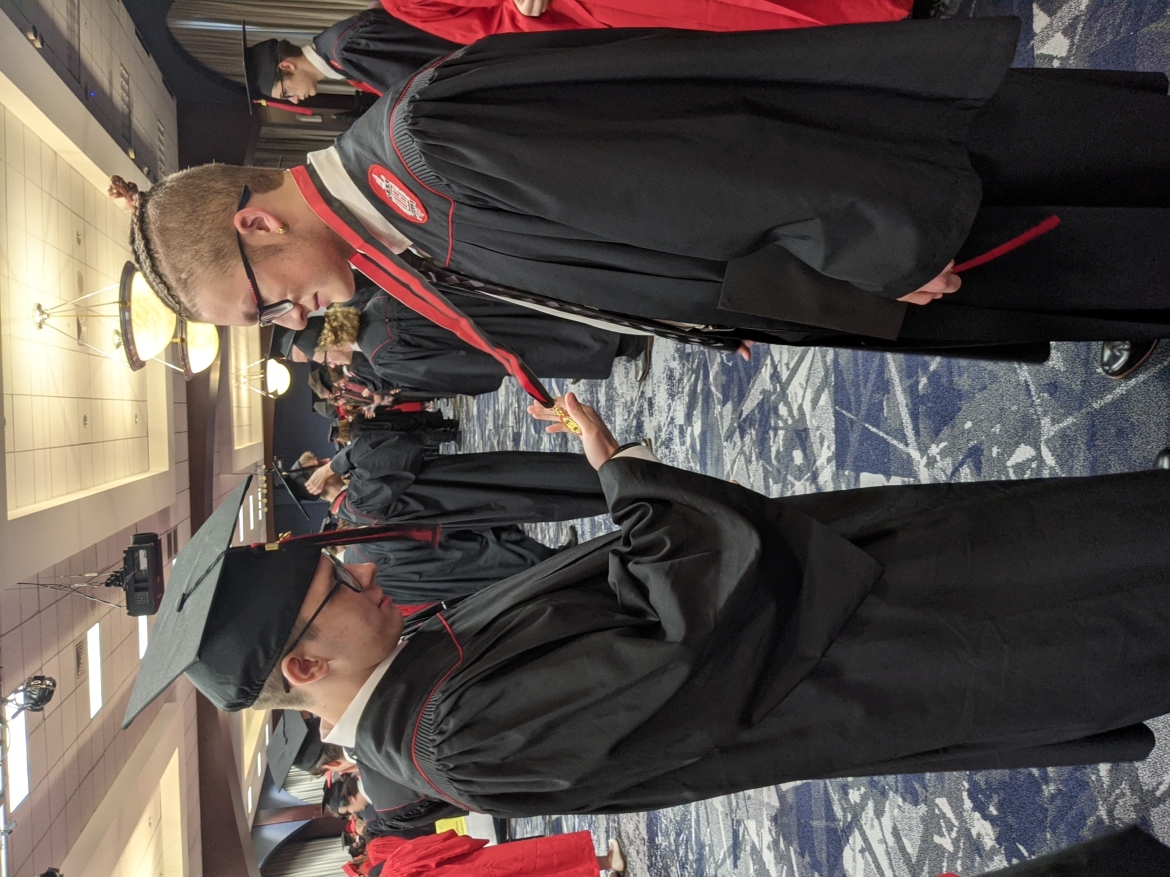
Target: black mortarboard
pixel 228 612
pixel 260 67
pixel 306 339
pixel 261 63
pixel 281 342
pixel 295 743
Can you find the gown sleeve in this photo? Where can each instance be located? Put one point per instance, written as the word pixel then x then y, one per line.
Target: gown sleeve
pixel 381 467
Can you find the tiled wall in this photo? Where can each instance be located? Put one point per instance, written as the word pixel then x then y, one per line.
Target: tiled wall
pixel 74 420
pixel 74 759
pixel 90 57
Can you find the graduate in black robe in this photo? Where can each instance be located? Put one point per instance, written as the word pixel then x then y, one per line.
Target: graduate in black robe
pixel 465 561
pixel 407 350
pixel 375 51
pixel 723 641
pixel 788 186
pixel 395 479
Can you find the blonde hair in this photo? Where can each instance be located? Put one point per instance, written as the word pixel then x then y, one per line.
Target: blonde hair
pixel 342 326
pixel 181 230
pixel 308 458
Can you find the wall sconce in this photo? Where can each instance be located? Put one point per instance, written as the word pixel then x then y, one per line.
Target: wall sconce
pixel 34 37
pixel 144 325
pixel 272 375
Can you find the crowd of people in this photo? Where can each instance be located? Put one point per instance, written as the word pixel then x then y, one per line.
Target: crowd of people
pixel 540 188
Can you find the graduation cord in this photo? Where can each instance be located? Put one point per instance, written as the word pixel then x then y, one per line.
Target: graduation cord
pixel 1007 246
pixel 443 276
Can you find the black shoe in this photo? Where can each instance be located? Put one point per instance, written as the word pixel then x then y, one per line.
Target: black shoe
pixel 573 538
pixel 1162 461
pixel 1120 359
pixel 644 360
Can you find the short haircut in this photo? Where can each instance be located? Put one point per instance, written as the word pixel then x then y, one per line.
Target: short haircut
pixel 272 695
pixel 182 231
pixel 286 50
pixel 338 793
pixel 330 752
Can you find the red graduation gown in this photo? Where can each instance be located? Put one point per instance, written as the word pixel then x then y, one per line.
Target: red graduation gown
pixel 451 855
pixel 465 21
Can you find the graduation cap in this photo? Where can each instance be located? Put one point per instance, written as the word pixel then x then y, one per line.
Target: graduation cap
pixel 261 63
pixel 228 611
pixel 281 342
pixel 295 743
pixel 306 339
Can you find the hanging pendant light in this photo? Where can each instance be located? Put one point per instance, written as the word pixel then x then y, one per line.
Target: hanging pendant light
pixel 198 346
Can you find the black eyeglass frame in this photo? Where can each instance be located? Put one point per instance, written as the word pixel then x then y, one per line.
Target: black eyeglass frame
pixel 341 578
pixel 267 314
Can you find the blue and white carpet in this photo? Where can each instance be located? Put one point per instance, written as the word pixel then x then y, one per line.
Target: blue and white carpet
pixel 794 421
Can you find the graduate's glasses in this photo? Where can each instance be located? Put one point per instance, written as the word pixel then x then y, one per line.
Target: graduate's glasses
pixel 267 314
pixel 342 578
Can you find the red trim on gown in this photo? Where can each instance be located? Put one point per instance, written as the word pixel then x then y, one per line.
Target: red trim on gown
pixel 465 21
pixel 452 855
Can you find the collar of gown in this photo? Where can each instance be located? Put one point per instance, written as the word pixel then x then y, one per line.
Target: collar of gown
pixel 327 164
pixel 322 66
pixel 344 733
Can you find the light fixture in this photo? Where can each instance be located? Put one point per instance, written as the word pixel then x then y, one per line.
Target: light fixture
pixel 277 378
pixel 93 650
pixel 198 346
pixel 15 755
pixel 273 376
pixel 34 37
pixel 142 325
pixel 147 324
pixel 143 636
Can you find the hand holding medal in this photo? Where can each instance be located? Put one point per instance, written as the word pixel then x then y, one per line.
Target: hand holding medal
pixel 567 414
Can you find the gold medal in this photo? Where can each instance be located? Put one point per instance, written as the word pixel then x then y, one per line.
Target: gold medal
pixel 569 422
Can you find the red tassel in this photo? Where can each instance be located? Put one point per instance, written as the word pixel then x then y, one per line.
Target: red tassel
pixel 288 108
pixel 1018 241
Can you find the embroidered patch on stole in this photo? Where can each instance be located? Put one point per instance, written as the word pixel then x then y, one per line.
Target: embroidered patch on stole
pixel 391 190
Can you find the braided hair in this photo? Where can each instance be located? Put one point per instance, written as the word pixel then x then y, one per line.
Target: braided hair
pixel 133 202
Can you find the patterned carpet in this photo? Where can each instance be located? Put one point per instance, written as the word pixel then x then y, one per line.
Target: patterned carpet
pixel 801 420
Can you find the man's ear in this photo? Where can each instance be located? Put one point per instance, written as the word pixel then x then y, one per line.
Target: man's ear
pixel 303 670
pixel 287 65
pixel 257 223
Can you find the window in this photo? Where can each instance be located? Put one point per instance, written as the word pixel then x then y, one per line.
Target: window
pixel 143 636
pixel 16 758
pixel 93 648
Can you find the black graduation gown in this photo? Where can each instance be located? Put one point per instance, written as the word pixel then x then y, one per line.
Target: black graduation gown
pixel 392 478
pixel 1126 853
pixel 795 182
pixel 362 371
pixel 464 561
pixel 399 807
pixel 376 51
pixel 408 350
pixel 432 428
pixel 724 641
